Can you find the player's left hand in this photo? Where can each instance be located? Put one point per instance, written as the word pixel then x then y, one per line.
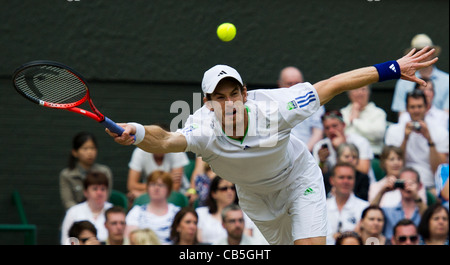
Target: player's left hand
pixel 414 61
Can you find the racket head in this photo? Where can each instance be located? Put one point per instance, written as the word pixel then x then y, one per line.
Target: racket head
pixel 50 84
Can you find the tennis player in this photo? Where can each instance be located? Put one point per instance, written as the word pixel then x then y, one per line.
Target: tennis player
pixel 245 137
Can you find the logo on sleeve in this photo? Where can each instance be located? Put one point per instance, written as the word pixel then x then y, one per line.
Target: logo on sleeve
pixel 190 128
pixel 302 101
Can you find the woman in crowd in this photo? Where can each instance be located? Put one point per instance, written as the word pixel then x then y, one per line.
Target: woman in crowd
pixel 158 214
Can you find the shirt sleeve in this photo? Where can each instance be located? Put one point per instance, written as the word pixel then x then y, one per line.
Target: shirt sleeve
pixel 199 131
pixel 295 103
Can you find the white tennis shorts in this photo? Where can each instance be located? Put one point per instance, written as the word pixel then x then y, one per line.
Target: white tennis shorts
pixel 295 212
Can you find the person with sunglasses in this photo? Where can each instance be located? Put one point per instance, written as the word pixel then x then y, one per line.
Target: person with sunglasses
pixel 83 233
pixel 246 138
pixel 221 194
pixel 405 233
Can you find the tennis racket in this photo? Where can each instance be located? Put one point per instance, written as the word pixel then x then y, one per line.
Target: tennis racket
pixel 57 86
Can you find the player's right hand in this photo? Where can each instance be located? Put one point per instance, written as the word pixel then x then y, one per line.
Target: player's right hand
pixel 127 137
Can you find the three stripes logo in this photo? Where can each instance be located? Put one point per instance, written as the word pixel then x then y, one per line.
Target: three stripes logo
pixel 309 191
pixel 392 67
pixel 222 73
pixel 301 101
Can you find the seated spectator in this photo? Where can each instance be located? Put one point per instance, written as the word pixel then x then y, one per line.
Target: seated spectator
pixel 349 153
pixel 82 233
pixel 434 226
pixel 348 238
pixel 424 148
pixel 344 208
pixel 371 226
pixel 411 205
pixel 392 162
pixel 433 115
pixel 234 223
pixel 158 214
pixel 82 160
pixel 364 118
pixel 221 194
pixel 184 227
pixel 93 209
pixel 405 233
pixel 142 164
pixel 115 224
pixel 325 152
pixel 143 236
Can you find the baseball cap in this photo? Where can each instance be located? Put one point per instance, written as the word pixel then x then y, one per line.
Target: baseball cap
pixel 216 73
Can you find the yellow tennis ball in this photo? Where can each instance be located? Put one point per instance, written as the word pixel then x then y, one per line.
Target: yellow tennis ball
pixel 226 32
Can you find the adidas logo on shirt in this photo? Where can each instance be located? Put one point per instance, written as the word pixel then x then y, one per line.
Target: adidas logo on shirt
pixel 309 191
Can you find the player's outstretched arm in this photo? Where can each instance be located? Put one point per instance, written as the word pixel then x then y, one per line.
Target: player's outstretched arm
pixel 408 64
pixel 151 138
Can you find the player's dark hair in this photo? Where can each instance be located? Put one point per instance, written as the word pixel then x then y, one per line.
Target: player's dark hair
pixel 78 140
pixel 241 87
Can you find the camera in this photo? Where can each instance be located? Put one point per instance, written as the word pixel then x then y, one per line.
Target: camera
pixel 416 125
pixel 399 184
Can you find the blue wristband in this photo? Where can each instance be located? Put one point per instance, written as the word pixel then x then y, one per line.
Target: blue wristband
pixel 388 71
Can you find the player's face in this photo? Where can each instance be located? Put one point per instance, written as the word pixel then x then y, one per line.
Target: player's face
pixel 227 102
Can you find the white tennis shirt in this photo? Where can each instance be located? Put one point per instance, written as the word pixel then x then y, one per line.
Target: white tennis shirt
pixel 268 158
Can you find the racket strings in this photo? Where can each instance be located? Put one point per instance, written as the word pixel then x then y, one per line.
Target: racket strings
pixel 51 84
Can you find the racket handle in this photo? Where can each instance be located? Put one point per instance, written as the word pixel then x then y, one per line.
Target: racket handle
pixel 113 127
